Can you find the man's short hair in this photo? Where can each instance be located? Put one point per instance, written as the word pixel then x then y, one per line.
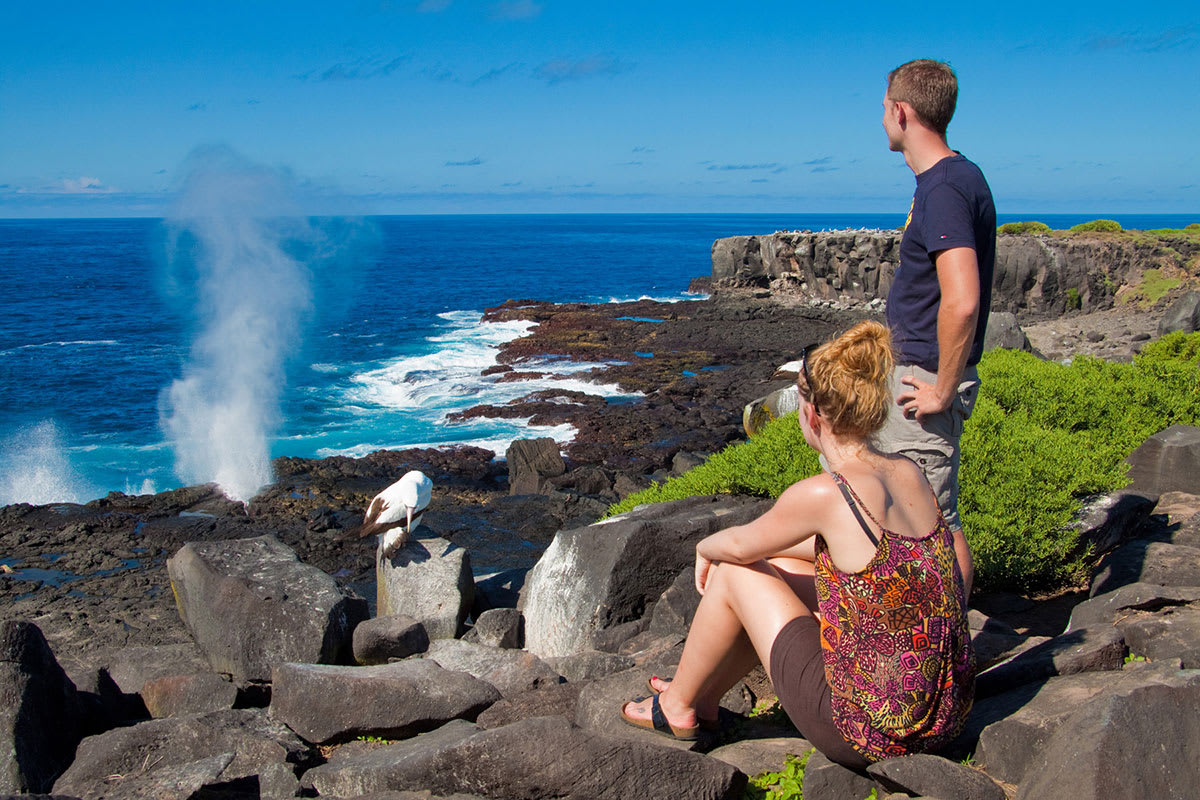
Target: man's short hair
pixel 930 87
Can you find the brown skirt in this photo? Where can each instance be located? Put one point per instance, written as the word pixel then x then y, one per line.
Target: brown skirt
pixel 798 672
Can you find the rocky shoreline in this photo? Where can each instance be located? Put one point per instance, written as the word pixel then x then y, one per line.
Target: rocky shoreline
pixel 93 578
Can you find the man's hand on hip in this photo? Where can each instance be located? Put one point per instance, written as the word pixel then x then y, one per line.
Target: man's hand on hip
pixel 922 400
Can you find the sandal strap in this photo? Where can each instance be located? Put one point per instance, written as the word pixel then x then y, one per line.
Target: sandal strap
pixel 657 716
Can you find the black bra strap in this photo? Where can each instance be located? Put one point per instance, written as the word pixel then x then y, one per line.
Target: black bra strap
pixel 854 507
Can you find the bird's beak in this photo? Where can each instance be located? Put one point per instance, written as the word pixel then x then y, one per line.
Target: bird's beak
pixel 408 527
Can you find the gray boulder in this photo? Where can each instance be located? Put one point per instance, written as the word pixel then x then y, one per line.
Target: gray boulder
pixel 1182 315
pixel 589 665
pixel 498 627
pixel 934 776
pixel 756 756
pixel 595 578
pixel 1173 633
pixel 550 700
pixel 510 671
pixel 677 606
pixel 1030 716
pixel 531 462
pixel 1110 520
pixel 1169 461
pixel 1103 609
pixel 498 590
pixel 381 639
pixel 40 719
pixel 544 757
pixel 1147 562
pixel 179 695
pixel 1136 740
pixel 129 762
pixel 1004 331
pixel 327 704
pixel 131 667
pixel 428 579
pixel 251 604
pixel 827 780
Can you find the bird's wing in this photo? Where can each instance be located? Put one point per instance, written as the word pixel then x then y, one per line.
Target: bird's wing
pixel 375 509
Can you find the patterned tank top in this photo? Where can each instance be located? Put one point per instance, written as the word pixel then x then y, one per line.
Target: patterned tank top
pixel 895 641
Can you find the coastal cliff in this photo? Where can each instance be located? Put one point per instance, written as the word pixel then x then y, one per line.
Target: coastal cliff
pixel 1036 276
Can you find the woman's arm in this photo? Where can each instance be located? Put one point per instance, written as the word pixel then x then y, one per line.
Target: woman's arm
pixel 794 518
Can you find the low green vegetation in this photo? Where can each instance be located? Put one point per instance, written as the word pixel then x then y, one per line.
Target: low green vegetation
pixel 782 785
pixel 1031 226
pixel 1097 225
pixel 1042 439
pixel 1074 301
pixel 1154 285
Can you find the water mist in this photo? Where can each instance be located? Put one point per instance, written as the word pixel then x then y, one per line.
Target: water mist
pixel 232 245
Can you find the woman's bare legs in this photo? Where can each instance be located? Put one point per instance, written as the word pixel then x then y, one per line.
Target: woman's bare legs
pixel 743 609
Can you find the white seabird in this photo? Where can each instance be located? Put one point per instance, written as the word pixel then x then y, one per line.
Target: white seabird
pixel 397 510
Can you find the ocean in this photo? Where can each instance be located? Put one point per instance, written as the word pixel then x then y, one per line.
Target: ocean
pixel 140 355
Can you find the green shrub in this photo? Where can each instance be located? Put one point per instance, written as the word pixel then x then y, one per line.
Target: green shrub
pixel 1043 438
pixel 1193 226
pixel 763 466
pixel 1031 226
pixel 1102 225
pixel 1074 301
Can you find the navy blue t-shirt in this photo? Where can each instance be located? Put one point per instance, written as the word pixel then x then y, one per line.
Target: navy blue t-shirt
pixel 952 207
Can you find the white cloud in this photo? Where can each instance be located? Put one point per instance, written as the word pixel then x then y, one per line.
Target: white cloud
pixel 80 185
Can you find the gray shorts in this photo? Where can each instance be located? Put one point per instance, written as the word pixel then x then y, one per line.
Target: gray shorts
pixel 932 444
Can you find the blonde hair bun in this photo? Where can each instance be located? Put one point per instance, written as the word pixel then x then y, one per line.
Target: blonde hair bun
pixel 850 376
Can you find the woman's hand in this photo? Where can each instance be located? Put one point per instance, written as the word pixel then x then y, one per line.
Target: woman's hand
pixel 702 567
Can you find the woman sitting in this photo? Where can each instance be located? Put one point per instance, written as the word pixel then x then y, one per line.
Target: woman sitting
pixel 848 589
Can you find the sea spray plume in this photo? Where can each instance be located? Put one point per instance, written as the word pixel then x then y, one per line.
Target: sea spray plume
pixel 37 470
pixel 230 256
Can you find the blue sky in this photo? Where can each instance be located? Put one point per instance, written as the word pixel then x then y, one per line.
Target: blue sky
pixel 444 106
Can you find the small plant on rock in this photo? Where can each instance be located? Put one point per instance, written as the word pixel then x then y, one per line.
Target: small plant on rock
pixel 782 785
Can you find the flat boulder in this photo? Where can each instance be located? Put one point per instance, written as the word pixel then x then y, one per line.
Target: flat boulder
pixel 326 704
pixel 1093 649
pixel 510 671
pixel 934 776
pixel 40 715
pixel 428 579
pixel 1148 562
pixel 251 604
pixel 756 756
pixel 1138 596
pixel 125 762
pixel 595 578
pixel 555 699
pixel 544 757
pixel 589 665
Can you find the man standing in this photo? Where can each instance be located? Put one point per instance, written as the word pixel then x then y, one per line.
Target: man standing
pixel 937 308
